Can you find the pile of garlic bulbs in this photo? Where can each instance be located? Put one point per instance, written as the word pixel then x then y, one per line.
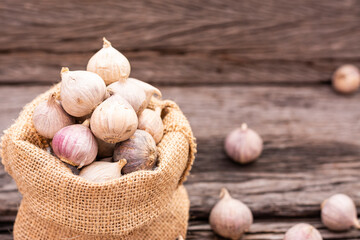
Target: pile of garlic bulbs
pixel 102 115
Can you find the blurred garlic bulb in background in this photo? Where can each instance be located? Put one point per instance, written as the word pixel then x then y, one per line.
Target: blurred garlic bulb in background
pixel 302 231
pixel 346 79
pixel 243 145
pixel 339 213
pixel 109 64
pixel 81 91
pixel 49 117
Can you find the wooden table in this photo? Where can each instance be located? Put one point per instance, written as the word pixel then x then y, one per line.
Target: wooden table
pixel 266 63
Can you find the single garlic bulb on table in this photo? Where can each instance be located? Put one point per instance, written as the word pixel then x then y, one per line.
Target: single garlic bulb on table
pixel 109 64
pixel 81 91
pixel 243 145
pixel 102 171
pixel 302 231
pixel 114 120
pixel 75 145
pixel 151 121
pixel 49 117
pixel 230 218
pixel 346 79
pixel 139 151
pixel 338 213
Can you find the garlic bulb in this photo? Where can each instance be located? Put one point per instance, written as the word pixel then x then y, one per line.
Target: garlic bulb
pixel 81 91
pixel 338 213
pixel 346 79
pixel 114 120
pixel 149 89
pixel 110 64
pixel 49 117
pixel 102 171
pixel 75 145
pixel 230 218
pixel 243 145
pixel 151 122
pixel 131 92
pixel 302 231
pixel 139 151
pixel 105 149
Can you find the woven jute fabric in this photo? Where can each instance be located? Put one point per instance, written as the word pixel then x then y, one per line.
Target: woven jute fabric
pixel 58 204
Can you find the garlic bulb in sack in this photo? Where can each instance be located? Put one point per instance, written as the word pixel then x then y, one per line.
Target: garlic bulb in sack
pixel 49 117
pixel 139 151
pixel 75 145
pixel 149 89
pixel 81 91
pixel 134 94
pixel 151 122
pixel 110 64
pixel 102 171
pixel 114 120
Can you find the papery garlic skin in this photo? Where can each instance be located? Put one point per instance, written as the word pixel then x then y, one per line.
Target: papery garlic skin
pixel 114 120
pixel 131 92
pixel 346 79
pixel 149 89
pixel 150 121
pixel 139 151
pixel 109 64
pixel 105 149
pixel 243 145
pixel 302 231
pixel 75 145
pixel 338 213
pixel 81 91
pixel 230 218
pixel 100 171
pixel 49 117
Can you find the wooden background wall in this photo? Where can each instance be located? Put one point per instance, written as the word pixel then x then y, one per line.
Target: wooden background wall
pixel 267 63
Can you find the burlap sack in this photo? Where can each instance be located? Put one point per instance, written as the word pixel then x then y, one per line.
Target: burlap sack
pixel 60 205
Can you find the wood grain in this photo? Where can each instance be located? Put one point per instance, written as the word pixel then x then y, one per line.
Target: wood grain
pixel 239 29
pixel 311 148
pixel 172 70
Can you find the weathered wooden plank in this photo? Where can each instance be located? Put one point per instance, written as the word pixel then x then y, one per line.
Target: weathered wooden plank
pixel 311 144
pixel 155 68
pixel 237 29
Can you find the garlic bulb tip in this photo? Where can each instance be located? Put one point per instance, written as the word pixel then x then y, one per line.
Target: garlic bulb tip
pixel 106 43
pixel 64 69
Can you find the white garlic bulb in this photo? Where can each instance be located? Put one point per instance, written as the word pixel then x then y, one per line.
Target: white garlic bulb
pixel 131 92
pixel 339 213
pixel 230 218
pixel 110 64
pixel 151 122
pixel 75 145
pixel 49 117
pixel 81 91
pixel 114 120
pixel 243 145
pixel 302 231
pixel 149 89
pixel 102 171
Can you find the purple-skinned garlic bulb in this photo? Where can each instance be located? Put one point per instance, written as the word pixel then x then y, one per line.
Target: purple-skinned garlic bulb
pixel 302 231
pixel 139 151
pixel 243 145
pixel 75 145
